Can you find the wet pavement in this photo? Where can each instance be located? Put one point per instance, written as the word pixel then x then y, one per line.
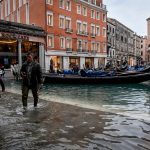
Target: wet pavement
pixel 56 126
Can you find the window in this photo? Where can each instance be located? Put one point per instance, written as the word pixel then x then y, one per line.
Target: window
pixel 98 15
pixel 12 17
pixel 84 27
pixel 27 13
pixel 20 3
pixel 50 18
pixel 1 12
pixel 104 47
pixel 97 30
pixel 61 3
pixel 98 47
pixel 14 5
pixel 92 29
pixel 93 2
pixel 68 23
pixel 62 42
pixel 104 32
pixel 104 17
pixel 18 15
pixel 79 44
pixel 84 11
pixel 68 43
pixel 68 5
pixel 78 9
pixel 50 41
pixel 79 27
pixel 93 46
pixel 24 1
pixel 92 14
pixel 50 2
pixel 85 45
pixel 62 22
pixel 8 7
pixel 5 8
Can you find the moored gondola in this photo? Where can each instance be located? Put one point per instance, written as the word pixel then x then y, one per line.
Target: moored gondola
pixel 78 79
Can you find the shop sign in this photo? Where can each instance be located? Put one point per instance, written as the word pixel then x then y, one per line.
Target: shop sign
pixel 13 36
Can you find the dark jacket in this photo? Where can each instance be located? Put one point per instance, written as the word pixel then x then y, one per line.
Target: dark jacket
pixel 36 75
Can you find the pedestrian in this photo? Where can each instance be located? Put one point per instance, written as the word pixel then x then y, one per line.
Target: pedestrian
pixel 2 71
pixel 17 71
pixel 13 71
pixel 2 84
pixel 31 74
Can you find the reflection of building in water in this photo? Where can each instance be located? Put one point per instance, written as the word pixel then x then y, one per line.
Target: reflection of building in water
pixel 18 39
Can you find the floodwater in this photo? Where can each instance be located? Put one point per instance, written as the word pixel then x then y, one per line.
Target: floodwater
pixel 126 128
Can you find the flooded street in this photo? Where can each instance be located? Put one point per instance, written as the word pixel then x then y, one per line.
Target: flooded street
pixel 71 117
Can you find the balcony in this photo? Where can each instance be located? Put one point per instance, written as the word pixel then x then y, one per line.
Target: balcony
pixel 93 52
pixel 82 33
pixel 85 51
pixel 68 50
pixel 69 30
pixel 79 50
pixel 93 35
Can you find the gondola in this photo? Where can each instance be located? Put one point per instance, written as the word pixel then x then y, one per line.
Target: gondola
pixel 78 79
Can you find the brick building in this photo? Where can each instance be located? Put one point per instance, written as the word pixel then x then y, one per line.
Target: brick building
pixel 148 40
pixel 76 30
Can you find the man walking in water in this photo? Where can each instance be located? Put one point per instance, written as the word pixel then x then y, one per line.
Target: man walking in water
pixel 31 74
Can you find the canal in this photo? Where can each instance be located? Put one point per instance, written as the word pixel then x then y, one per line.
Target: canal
pixel 132 100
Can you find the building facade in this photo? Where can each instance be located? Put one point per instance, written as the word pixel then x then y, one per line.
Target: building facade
pixel 144 51
pixel 148 40
pixel 111 41
pixel 124 42
pixel 137 50
pixel 17 39
pixel 76 30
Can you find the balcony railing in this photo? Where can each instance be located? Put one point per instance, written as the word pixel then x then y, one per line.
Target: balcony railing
pixel 83 33
pixel 68 50
pixel 79 50
pixel 84 51
pixel 93 52
pixel 93 35
pixel 69 30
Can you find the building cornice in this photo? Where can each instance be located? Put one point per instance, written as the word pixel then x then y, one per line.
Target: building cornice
pixel 122 24
pixel 101 8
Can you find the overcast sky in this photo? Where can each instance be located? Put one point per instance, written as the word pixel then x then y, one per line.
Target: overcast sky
pixel 132 13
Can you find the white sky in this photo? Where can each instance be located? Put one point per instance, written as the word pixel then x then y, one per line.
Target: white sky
pixel 131 13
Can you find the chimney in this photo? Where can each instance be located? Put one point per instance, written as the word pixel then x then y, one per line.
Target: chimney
pixel 148 28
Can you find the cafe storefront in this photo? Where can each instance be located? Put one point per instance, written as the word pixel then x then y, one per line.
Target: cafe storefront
pixel 16 40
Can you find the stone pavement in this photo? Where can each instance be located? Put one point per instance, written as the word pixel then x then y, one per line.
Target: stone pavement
pixel 57 126
pixel 51 126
